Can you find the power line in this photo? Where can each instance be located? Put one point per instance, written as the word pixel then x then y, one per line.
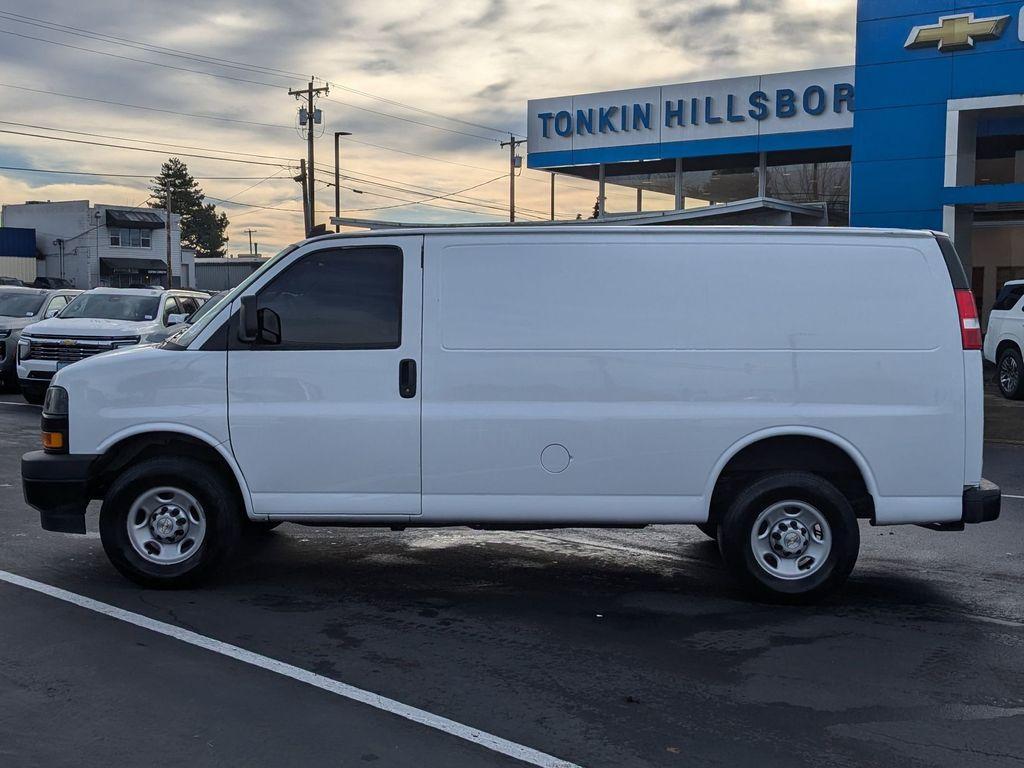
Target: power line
pixel 410 120
pixel 262 125
pixel 138 61
pixel 237 79
pixel 135 175
pixel 219 118
pixel 144 141
pixel 136 149
pixel 227 63
pixel 164 151
pixel 148 47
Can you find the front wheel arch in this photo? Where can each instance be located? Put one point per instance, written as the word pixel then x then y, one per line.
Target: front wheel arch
pixel 138 446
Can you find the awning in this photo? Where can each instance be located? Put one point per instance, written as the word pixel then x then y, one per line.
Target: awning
pixel 134 219
pixel 132 265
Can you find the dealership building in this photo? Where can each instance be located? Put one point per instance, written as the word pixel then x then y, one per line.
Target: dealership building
pixel 924 130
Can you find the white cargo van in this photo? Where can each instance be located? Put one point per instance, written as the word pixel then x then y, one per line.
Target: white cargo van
pixel 773 386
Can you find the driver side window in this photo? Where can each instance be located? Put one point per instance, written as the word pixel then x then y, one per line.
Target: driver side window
pixel 339 298
pixel 57 303
pixel 170 308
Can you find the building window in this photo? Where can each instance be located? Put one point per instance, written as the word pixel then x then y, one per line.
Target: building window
pixel 131 238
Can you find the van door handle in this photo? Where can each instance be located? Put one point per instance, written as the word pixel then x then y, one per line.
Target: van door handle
pixel 407 378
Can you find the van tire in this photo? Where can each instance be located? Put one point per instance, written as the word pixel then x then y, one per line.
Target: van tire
pixel 814 498
pixel 218 509
pixel 709 529
pixel 1010 380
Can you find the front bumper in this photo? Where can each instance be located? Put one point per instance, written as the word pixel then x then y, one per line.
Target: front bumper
pixel 58 486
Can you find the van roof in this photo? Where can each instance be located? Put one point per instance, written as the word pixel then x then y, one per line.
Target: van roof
pixel 562 228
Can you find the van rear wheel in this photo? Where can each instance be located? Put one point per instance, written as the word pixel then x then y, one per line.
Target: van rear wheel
pixel 790 537
pixel 169 522
pixel 1010 374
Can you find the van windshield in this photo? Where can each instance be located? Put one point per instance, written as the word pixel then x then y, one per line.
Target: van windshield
pixel 113 306
pixel 18 304
pixel 216 304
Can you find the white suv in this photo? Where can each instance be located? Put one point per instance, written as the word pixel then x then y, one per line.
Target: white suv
pixel 1005 339
pixel 97 321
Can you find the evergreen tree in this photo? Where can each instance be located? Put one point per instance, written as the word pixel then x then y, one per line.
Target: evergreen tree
pixel 202 227
pixel 597 209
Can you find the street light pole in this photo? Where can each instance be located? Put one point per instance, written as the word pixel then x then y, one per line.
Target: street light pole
pixel 337 177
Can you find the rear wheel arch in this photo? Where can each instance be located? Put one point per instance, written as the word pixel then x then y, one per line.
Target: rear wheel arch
pixel 1004 345
pixel 140 446
pixel 792 449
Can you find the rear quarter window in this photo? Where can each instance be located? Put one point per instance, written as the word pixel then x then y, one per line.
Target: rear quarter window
pixel 1008 297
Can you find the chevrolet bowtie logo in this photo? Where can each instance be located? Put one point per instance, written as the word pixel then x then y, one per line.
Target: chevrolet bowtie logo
pixel 957 33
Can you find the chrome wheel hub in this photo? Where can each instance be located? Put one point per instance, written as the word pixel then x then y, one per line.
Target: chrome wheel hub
pixel 1009 373
pixel 166 525
pixel 791 540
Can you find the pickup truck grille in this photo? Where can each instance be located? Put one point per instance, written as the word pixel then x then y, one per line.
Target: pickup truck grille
pixel 70 350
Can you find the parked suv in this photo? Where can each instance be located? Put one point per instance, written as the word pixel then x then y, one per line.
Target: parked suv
pixel 20 307
pixel 97 321
pixel 1004 339
pixel 761 383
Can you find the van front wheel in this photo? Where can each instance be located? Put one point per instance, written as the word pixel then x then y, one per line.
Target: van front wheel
pixel 790 537
pixel 168 522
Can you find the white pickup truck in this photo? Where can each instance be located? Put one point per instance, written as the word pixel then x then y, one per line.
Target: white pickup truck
pixel 98 321
pixel 774 386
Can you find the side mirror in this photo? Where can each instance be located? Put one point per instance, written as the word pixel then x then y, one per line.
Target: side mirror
pixel 270 327
pixel 176 318
pixel 248 320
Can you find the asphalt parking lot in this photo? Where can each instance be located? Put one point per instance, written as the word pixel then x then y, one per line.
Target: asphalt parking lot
pixel 599 648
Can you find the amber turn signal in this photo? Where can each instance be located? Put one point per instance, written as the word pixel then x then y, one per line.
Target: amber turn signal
pixel 53 441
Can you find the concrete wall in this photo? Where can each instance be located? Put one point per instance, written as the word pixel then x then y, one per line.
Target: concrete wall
pixel 86 239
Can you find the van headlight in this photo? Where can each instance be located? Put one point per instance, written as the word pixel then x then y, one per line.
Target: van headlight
pixel 56 401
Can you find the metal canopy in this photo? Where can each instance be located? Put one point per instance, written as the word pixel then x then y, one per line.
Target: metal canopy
pixel 134 219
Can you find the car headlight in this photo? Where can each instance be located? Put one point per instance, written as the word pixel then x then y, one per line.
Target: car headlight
pixel 124 342
pixel 24 347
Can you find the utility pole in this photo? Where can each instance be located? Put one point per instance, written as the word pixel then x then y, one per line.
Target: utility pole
pixel 552 197
pixel 312 117
pixel 167 197
pixel 250 232
pixel 337 177
pixel 301 178
pixel 514 162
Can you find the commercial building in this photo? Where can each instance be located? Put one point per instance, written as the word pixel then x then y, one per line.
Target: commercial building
pixel 108 245
pixel 18 253
pixel 924 130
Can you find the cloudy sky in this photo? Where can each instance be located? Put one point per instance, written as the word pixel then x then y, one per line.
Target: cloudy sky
pixel 475 61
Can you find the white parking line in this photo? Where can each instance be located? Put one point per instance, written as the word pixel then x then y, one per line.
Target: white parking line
pixel 1011 496
pixel 443 724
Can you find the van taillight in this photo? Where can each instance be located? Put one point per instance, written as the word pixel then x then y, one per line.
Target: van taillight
pixel 970 328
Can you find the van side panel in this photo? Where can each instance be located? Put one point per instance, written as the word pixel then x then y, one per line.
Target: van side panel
pixel 563 368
